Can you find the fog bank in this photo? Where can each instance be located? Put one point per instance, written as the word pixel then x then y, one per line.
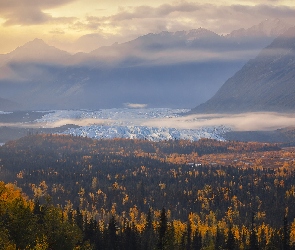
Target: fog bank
pixel 238 122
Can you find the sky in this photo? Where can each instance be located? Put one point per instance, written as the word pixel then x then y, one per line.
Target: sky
pixel 82 25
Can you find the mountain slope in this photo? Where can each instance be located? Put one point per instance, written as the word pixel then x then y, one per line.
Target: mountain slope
pixel 37 51
pixel 267 28
pixel 266 83
pixel 6 105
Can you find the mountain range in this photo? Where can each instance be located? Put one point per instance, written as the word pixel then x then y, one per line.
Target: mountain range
pixel 169 69
pixel 266 83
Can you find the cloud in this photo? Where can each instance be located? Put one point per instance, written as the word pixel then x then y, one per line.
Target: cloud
pixel 59 123
pixel 257 121
pixel 188 15
pixel 57 32
pixel 135 105
pixel 91 42
pixel 29 12
pixel 78 122
pixel 178 56
pixel 128 22
pixel 252 121
pixel 152 12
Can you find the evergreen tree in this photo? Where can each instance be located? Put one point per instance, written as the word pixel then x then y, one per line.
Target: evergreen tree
pixel 197 241
pixel 149 222
pixel 79 219
pixel 286 234
pixel 230 243
pixel 170 238
pixel 189 235
pixel 162 229
pixel 92 233
pixel 253 236
pixel 112 237
pixel 38 211
pixel 275 241
pixel 129 239
pixel 148 241
pixel 219 240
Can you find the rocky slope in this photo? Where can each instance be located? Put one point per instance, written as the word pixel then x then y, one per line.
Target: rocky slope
pixel 266 83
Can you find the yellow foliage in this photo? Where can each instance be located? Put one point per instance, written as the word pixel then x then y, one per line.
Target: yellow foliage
pixel 42 243
pixel 10 193
pixel 292 232
pixel 179 229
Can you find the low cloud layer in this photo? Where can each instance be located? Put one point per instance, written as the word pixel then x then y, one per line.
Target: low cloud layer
pixel 135 105
pixel 257 121
pixel 78 122
pixel 238 122
pixel 58 123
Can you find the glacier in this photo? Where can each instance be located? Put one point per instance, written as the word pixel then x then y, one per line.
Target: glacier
pixel 148 133
pixel 131 124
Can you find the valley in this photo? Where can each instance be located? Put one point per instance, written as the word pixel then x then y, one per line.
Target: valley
pixel 174 139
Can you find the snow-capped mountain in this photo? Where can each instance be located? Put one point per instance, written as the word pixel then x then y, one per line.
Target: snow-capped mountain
pixel 268 28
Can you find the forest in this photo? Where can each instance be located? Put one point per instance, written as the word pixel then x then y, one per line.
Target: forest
pixel 66 192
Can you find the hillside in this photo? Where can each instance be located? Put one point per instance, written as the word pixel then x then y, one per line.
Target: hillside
pixel 6 105
pixel 265 83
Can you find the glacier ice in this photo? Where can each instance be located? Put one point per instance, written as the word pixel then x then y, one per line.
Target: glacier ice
pixel 129 123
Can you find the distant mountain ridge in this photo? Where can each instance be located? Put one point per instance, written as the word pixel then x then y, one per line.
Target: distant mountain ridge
pixel 266 83
pixel 270 28
pixel 169 69
pixel 38 51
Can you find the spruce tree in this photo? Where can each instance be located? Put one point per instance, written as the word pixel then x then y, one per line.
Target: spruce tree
pixel 148 242
pixel 189 235
pixel 162 229
pixel 219 240
pixel 197 241
pixel 230 243
pixel 286 234
pixel 112 237
pixel 253 236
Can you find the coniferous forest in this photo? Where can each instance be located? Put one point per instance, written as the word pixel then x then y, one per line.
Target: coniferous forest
pixel 66 192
